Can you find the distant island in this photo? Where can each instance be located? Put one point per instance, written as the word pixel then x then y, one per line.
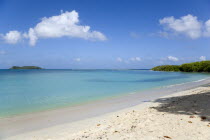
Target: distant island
pixel 25 67
pixel 201 66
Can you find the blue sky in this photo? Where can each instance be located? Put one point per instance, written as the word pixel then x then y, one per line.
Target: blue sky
pixel 122 34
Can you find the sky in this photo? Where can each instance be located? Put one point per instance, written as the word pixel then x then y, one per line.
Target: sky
pixel 103 34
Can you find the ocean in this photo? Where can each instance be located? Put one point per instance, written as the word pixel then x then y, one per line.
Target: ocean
pixel 27 91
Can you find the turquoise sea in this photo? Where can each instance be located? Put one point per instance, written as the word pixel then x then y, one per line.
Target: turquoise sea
pixel 26 91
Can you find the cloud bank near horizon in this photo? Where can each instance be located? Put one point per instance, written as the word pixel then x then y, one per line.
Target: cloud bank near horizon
pixel 65 24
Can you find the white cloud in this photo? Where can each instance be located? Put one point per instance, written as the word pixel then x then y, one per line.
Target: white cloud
pixel 12 37
pixel 135 59
pixel 202 58
pixel 172 58
pixel 207 29
pixel 32 37
pixel 187 25
pixel 66 24
pixel 132 59
pixel 77 59
pixel 138 59
pixel 119 59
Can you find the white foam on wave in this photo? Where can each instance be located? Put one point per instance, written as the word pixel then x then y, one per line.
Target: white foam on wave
pixel 186 83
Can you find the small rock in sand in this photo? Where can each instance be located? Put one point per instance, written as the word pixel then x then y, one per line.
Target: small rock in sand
pixel 203 118
pixel 167 137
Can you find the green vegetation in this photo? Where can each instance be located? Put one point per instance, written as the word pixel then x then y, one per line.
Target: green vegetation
pixel 166 68
pixel 25 67
pixel 202 66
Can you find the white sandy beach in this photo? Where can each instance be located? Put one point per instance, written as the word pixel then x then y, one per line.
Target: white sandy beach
pixel 184 115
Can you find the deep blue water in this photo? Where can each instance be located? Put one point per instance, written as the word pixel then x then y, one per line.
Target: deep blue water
pixel 24 91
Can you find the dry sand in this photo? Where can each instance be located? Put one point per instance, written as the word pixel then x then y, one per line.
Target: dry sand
pixel 184 115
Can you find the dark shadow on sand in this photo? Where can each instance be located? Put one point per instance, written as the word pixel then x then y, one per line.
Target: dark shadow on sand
pixel 197 104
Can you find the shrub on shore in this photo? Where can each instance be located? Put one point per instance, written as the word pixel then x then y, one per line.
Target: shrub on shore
pixel 167 68
pixel 202 66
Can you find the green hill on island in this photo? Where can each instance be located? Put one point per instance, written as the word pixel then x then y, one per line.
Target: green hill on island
pixel 25 67
pixel 202 66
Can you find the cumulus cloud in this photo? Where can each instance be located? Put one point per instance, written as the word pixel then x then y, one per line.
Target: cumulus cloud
pixel 12 37
pixel 172 58
pixel 32 37
pixel 135 59
pixel 207 28
pixel 119 59
pixel 188 25
pixel 66 24
pixel 202 58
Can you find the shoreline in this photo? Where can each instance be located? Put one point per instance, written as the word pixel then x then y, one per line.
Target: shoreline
pixel 101 99
pixel 45 120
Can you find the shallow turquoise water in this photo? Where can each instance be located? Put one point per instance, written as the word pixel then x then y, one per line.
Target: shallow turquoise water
pixel 24 91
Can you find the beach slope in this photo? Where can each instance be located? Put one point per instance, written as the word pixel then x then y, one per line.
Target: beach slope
pixel 182 116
